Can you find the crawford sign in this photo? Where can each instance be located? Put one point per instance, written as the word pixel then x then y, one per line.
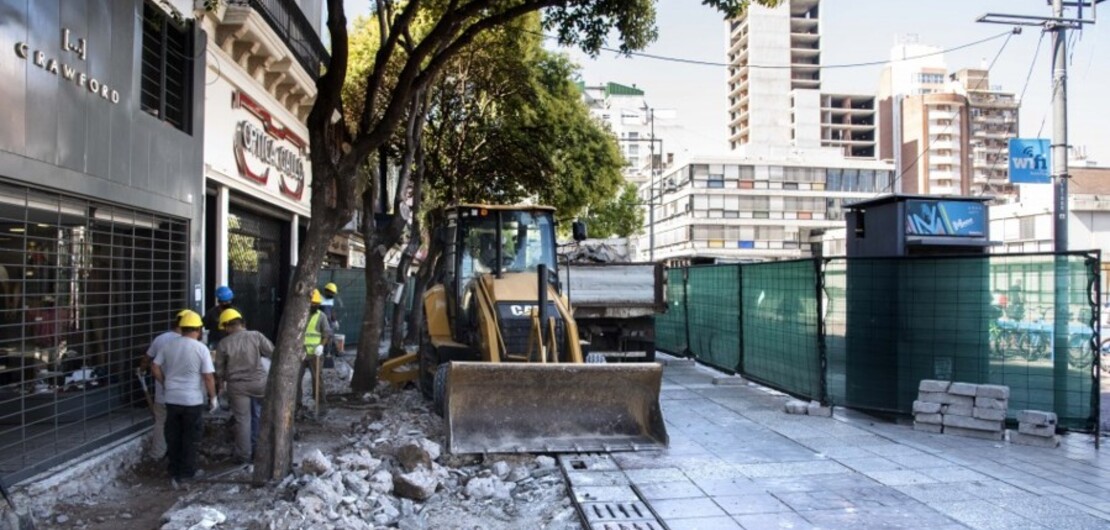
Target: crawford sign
pixel 76 48
pixel 267 145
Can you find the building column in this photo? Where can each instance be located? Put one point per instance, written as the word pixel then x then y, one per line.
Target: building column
pixel 223 195
pixel 294 240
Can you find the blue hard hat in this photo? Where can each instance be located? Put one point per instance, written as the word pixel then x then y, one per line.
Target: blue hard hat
pixel 224 294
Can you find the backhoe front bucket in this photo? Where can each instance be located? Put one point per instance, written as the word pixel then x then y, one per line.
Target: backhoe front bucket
pixel 553 408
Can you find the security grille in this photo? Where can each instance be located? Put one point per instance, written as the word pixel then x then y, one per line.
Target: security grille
pixel 84 287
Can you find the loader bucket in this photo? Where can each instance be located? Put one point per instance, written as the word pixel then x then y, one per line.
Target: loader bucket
pixel 553 408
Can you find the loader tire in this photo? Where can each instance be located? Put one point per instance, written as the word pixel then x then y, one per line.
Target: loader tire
pixel 595 358
pixel 439 394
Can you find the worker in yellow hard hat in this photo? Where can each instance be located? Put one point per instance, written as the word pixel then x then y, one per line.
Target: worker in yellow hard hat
pixel 331 306
pixel 317 334
pixel 242 365
pixel 158 403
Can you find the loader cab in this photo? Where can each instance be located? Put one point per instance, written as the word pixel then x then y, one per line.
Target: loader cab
pixel 494 240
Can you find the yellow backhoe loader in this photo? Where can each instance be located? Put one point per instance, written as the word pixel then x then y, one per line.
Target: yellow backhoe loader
pixel 500 354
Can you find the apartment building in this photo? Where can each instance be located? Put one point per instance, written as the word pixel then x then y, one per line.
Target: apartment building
pixel 624 110
pixel 993 115
pixel 714 209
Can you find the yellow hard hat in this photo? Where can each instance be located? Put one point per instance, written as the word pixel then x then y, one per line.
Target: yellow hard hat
pixel 316 298
pixel 177 317
pixel 227 316
pixel 331 288
pixel 190 319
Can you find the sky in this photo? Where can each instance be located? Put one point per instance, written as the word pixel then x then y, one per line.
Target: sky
pixel 862 31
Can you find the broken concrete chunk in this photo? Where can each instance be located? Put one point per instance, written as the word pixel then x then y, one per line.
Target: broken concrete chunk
pixel 194 517
pixel 933 385
pixel 519 473
pixel 382 482
pixel 945 398
pixel 413 455
pixel 816 409
pixel 963 389
pixel 545 462
pixel 931 419
pixel 797 406
pixel 1036 441
pixel 1043 431
pixel 1037 417
pixel 957 410
pixel 418 485
pixel 316 463
pixel 989 414
pixel 488 488
pixel 925 407
pixel 974 433
pixel 993 391
pixel 991 403
pixel 501 469
pixel 967 422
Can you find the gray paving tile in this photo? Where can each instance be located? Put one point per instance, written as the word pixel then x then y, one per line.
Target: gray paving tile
pixel 703 523
pixel 900 477
pixel 872 463
pixel 791 469
pixel 1042 509
pixel 923 461
pixel 814 500
pixel 768 521
pixel 984 516
pixel 752 503
pixel 930 493
pixel 650 476
pixel 597 478
pixel 953 474
pixel 715 487
pixel 686 508
pixel 605 493
pixel 1084 522
pixel 683 489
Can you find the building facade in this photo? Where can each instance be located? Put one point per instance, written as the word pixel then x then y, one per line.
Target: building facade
pixel 261 79
pixel 624 110
pixel 993 120
pixel 101 197
pixel 732 209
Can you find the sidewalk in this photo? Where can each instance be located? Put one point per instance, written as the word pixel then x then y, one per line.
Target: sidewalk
pixel 736 460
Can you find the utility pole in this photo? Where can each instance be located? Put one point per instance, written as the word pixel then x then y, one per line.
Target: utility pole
pixel 651 188
pixel 1058 24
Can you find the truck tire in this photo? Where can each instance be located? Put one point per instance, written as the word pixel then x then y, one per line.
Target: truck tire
pixel 595 358
pixel 439 394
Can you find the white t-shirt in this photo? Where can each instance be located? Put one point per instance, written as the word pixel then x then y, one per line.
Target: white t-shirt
pixel 183 361
pixel 156 346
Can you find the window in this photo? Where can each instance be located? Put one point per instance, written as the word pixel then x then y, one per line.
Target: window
pixel 1027 228
pixel 167 69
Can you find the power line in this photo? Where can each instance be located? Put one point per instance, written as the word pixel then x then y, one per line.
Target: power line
pixel 698 62
pixel 928 147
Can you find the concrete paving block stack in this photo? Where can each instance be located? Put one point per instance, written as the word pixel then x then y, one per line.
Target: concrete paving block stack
pixel 1036 428
pixel 963 409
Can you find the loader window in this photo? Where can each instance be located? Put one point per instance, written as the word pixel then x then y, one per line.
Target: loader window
pixel 527 240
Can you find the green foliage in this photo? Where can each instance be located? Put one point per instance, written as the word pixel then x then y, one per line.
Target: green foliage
pixel 508 124
pixel 620 217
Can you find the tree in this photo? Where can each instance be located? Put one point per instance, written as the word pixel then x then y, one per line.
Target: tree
pixel 620 217
pixel 340 150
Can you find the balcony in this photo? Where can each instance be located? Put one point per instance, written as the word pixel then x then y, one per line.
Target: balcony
pixel 294 29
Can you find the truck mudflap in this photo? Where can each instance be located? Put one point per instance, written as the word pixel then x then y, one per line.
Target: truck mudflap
pixel 553 408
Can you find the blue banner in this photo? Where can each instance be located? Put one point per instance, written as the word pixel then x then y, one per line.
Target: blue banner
pixel 1029 161
pixel 946 218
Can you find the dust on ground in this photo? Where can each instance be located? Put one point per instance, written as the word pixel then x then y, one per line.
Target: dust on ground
pixel 372 461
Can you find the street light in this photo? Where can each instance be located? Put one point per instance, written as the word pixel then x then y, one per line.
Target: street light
pixel 652 197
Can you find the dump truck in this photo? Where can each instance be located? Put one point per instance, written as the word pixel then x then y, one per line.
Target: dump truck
pixel 614 300
pixel 500 353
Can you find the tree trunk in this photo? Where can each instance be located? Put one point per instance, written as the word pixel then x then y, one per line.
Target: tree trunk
pixel 274 457
pixel 397 338
pixel 424 277
pixel 373 320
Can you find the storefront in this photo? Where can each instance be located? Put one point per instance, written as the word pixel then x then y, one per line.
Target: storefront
pixel 256 162
pixel 100 207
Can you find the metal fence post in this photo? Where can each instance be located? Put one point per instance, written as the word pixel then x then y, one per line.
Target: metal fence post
pixel 822 350
pixel 686 308
pixel 1094 263
pixel 740 318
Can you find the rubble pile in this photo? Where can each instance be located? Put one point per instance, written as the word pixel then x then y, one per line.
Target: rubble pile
pixel 386 470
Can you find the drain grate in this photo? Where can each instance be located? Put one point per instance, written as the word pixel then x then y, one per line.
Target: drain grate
pixel 636 525
pixel 598 512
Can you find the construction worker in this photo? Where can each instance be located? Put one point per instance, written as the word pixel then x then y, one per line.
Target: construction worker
pixel 317 334
pixel 184 367
pixel 158 407
pixel 224 297
pixel 332 306
pixel 240 366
